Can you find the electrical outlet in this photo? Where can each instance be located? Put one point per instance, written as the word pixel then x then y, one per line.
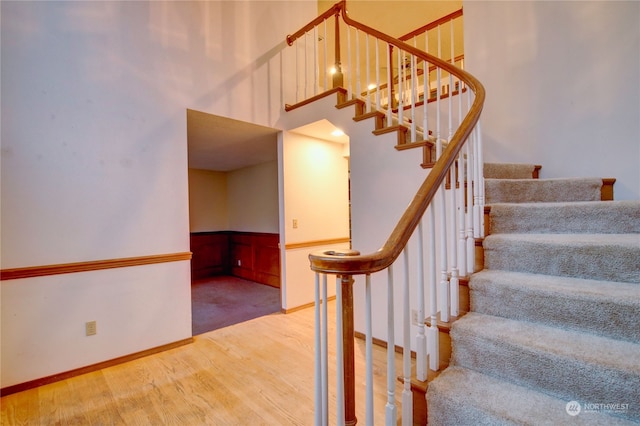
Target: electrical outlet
pixel 90 328
pixel 414 317
pixel 295 223
pixel 239 262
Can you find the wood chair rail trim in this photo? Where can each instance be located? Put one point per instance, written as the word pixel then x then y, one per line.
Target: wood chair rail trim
pixel 93 265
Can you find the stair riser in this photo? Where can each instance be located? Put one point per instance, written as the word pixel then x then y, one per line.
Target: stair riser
pixel 590 261
pixel 563 377
pixel 537 191
pixel 612 318
pixel 606 218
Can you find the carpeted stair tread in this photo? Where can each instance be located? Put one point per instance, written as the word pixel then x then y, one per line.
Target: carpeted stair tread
pixel 561 363
pixel 542 190
pixel 464 397
pixel 610 217
pixel 601 307
pixel 508 170
pixel 610 257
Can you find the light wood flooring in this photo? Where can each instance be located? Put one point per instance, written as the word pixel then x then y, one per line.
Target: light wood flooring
pixel 258 372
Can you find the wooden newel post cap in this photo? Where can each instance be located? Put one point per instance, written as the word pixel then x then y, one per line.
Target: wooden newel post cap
pixel 340 253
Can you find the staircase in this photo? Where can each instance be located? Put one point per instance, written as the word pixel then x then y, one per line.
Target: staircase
pixel 552 335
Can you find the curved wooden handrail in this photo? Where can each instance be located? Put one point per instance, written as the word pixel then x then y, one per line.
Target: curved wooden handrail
pixel 333 10
pixel 431 25
pixel 354 264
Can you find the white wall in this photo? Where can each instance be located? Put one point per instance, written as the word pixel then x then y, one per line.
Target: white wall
pixel 241 200
pixel 253 198
pixel 94 160
pixel 562 86
pixel 316 195
pixel 208 205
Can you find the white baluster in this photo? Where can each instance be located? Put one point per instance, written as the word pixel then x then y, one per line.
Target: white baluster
pixel 454 281
pixel 389 85
pixel 477 214
pixel 326 61
pixel 421 341
pixel 325 352
pixel 357 59
pixel 469 216
pixel 306 72
pixel 377 77
pixel 400 87
pixel 481 200
pixel 433 345
pixel 390 407
pixel 407 397
pixel 369 351
pixel 316 65
pixel 368 82
pixel 426 91
pixel 349 74
pixel 319 413
pixel 413 98
pixel 339 356
pixel 460 191
pixel 297 47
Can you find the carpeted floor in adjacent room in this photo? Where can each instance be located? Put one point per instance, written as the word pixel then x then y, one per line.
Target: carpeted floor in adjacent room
pixel 221 301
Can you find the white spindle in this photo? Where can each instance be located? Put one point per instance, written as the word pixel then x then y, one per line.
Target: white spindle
pixel 325 351
pixel 400 87
pixel 369 351
pixel 469 216
pixel 316 64
pixel 460 191
pixel 297 47
pixel 389 85
pixel 318 366
pixel 368 66
pixel 426 91
pixel 407 397
pixel 306 71
pixel 339 357
pixel 413 98
pixel 357 59
pixel 421 341
pixel 326 61
pixel 390 407
pixel 377 76
pixel 481 200
pixel 453 249
pixel 432 332
pixel 477 214
pixel 349 73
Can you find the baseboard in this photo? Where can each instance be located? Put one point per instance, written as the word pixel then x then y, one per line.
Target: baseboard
pixel 90 368
pixel 301 307
pixel 382 343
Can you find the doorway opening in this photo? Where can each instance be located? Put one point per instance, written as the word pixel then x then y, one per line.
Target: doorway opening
pixel 233 220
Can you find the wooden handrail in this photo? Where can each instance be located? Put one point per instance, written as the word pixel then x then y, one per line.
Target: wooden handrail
pixel 347 264
pixel 431 25
pixel 333 10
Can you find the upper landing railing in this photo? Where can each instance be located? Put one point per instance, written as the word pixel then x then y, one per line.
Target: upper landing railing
pixel 437 104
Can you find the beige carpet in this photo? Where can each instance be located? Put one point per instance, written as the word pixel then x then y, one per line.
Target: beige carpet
pixel 553 336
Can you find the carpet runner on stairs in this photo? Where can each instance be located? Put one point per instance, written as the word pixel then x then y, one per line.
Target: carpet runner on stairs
pixel 553 336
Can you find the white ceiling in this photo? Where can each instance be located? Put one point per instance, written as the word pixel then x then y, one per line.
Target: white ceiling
pixel 224 144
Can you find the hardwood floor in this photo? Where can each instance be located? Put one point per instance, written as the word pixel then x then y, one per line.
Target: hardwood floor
pixel 258 372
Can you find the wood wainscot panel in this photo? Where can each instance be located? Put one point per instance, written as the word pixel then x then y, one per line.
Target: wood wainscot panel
pixel 256 257
pixel 210 254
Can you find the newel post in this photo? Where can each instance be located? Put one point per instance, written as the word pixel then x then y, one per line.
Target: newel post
pixel 338 77
pixel 348 338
